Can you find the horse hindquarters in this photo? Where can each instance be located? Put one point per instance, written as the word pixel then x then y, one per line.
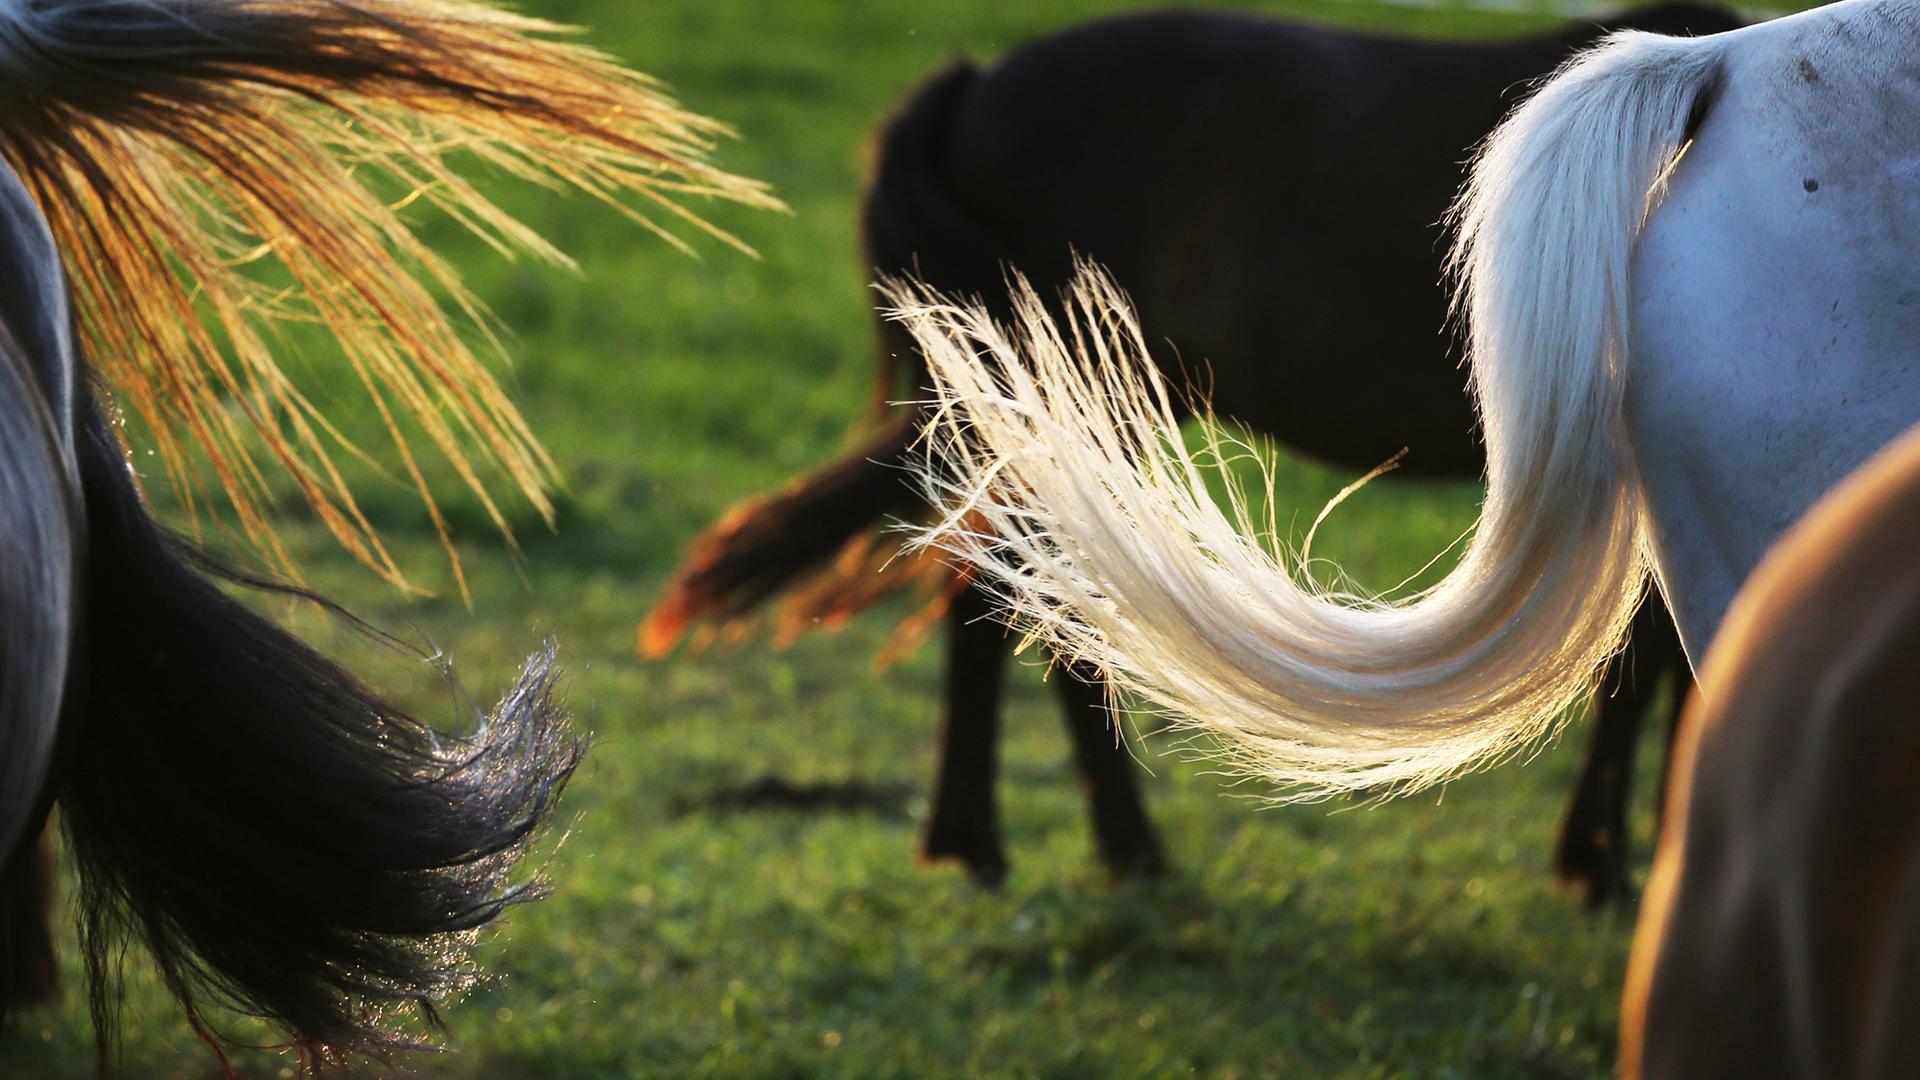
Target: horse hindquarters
pixel 40 534
pixel 276 834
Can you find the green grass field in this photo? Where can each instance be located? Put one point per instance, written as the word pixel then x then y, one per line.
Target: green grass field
pixel 1423 938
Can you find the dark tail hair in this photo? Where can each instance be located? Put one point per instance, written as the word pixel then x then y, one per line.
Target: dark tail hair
pixel 767 544
pixel 282 840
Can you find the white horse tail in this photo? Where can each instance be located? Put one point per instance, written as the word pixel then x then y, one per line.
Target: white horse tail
pixel 177 147
pixel 1070 488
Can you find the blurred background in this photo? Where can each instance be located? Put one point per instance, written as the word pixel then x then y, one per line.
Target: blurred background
pixel 689 936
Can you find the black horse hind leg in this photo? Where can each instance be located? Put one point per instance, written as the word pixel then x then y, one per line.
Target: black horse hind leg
pixel 965 823
pixel 1121 830
pixel 26 942
pixel 1595 840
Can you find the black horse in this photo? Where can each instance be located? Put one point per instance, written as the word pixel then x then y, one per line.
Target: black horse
pixel 1270 194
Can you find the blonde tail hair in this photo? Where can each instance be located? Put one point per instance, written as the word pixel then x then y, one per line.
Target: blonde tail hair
pixel 212 168
pixel 1063 439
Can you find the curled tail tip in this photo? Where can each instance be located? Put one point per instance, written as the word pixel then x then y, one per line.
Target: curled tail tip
pixel 663 627
pixel 531 712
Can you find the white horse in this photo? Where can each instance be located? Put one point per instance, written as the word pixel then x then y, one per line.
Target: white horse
pixel 1687 267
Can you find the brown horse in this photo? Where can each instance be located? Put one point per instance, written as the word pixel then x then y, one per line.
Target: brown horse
pixel 1780 925
pixel 1270 193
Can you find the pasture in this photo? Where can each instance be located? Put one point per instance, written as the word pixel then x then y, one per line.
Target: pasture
pixel 692 937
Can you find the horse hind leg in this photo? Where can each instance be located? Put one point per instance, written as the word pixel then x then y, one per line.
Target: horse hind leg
pixel 1122 832
pixel 26 940
pixel 965 824
pixel 1594 850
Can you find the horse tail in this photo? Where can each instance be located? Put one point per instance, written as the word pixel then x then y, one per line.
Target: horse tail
pixel 1075 493
pixel 770 542
pixel 281 839
pixel 175 146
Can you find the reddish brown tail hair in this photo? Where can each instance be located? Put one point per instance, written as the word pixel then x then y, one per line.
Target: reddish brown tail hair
pixel 176 146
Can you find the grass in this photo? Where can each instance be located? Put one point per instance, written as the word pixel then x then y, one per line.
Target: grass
pixel 1421 938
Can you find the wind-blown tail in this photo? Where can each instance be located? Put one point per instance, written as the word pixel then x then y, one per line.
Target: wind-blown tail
pixel 213 167
pixel 1063 440
pixel 767 543
pixel 282 840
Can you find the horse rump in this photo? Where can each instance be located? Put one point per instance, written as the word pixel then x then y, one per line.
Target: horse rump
pixel 820 528
pixel 284 841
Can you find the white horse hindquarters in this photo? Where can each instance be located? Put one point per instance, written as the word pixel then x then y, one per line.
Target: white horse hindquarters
pixel 1776 320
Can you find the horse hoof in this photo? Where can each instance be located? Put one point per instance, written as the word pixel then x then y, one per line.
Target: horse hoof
pixel 985 863
pixel 1144 863
pixel 1593 878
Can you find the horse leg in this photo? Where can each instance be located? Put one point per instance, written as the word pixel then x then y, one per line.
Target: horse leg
pixel 1683 684
pixel 26 950
pixel 965 824
pixel 1121 830
pixel 1595 841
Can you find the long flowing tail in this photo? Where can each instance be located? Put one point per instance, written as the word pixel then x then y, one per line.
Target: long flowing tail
pixel 1062 439
pixel 214 167
pixel 282 840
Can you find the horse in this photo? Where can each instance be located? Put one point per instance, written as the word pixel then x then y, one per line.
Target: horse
pixel 1299 262
pixel 1683 264
pixel 1777 933
pixel 282 839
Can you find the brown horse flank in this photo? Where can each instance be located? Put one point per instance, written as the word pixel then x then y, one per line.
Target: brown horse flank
pixel 1780 923
pixel 1269 193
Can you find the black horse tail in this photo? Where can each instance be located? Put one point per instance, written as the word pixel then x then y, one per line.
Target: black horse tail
pixel 769 543
pixel 283 841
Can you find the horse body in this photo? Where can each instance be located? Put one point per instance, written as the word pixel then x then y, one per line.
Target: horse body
pixel 184 735
pixel 40 520
pixel 1782 920
pixel 1270 193
pixel 1616 397
pixel 280 838
pixel 1776 329
pixel 1194 223
pixel 1687 267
